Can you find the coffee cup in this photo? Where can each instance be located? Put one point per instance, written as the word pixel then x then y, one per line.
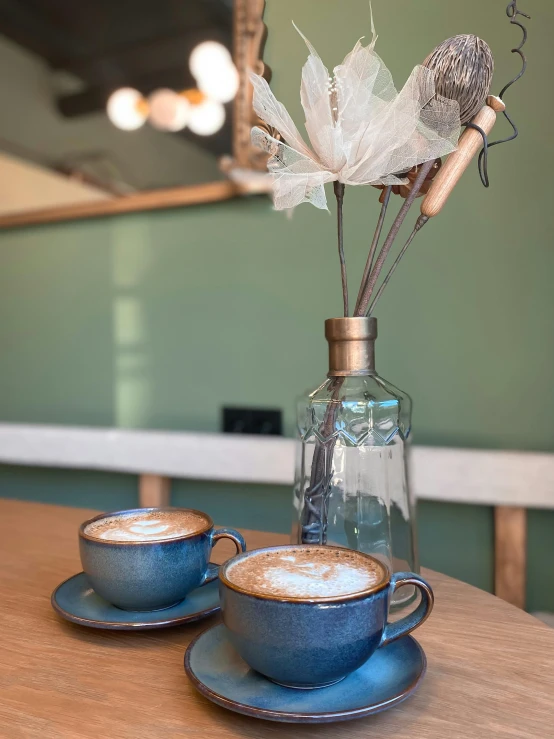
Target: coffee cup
pixel 147 559
pixel 307 616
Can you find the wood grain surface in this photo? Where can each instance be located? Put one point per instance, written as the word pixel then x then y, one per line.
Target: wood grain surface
pixel 510 554
pixel 490 673
pixel 154 491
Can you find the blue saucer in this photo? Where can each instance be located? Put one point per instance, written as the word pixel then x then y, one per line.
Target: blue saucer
pixel 387 678
pixel 76 601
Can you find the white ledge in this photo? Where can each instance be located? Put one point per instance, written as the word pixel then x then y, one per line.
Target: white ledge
pixel 440 474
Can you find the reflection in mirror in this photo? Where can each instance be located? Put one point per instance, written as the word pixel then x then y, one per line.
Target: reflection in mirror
pixel 104 99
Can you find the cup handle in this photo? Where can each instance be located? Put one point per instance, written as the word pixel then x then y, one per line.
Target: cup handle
pixel 410 622
pixel 212 570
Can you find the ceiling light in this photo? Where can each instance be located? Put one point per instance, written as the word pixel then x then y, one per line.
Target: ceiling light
pixel 194 96
pixel 126 109
pixel 169 111
pixel 206 118
pixel 209 58
pixel 221 87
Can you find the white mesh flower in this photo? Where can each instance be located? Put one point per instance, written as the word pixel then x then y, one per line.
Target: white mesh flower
pixel 363 132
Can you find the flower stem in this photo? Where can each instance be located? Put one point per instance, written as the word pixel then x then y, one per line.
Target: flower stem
pixel 376 237
pixel 339 194
pixel 393 233
pixel 421 221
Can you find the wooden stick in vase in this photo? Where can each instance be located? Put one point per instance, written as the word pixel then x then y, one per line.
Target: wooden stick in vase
pixel 457 163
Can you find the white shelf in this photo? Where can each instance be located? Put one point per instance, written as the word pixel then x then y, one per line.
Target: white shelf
pixel 441 474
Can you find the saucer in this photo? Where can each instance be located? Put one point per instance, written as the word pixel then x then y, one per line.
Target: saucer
pixel 387 678
pixel 76 601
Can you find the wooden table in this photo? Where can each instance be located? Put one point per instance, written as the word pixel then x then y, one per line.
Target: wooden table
pixel 490 674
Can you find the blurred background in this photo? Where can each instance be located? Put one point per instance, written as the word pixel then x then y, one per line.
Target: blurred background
pixel 160 320
pixel 69 77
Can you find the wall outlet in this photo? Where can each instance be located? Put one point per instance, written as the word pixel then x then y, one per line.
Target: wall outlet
pixel 264 421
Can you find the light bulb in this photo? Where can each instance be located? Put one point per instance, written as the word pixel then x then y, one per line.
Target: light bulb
pixel 126 109
pixel 206 118
pixel 169 111
pixel 221 87
pixel 194 96
pixel 209 58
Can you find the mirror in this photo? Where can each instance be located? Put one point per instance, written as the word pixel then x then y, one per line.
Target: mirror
pixel 111 107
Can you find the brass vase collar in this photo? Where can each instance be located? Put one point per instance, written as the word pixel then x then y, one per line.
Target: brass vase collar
pixel 351 346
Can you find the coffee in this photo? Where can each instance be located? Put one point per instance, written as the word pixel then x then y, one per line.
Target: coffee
pixel 147 526
pixel 305 572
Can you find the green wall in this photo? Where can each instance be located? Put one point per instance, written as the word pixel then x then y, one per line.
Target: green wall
pixel 156 320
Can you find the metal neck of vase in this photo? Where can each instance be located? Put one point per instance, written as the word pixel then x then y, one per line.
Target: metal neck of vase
pixel 351 346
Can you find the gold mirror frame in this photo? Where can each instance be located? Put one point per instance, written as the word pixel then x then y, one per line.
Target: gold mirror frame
pixel 249 35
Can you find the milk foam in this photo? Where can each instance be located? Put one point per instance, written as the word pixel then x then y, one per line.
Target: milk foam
pixel 316 572
pixel 156 526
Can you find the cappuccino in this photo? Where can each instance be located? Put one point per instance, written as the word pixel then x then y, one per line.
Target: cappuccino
pixel 305 572
pixel 307 616
pixel 147 526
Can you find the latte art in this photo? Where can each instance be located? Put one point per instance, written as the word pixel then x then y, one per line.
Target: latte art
pixel 312 572
pixel 150 526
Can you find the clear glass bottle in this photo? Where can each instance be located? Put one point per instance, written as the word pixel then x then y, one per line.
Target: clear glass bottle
pixel 351 485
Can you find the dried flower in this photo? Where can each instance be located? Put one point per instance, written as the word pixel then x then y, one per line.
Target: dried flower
pixel 363 132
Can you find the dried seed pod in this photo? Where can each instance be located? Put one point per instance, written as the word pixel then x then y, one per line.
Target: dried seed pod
pixel 404 190
pixel 463 67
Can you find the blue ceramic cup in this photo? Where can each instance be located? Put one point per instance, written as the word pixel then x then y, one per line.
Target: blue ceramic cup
pixel 312 642
pixel 154 574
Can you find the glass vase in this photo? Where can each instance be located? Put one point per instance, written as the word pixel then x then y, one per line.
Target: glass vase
pixel 351 484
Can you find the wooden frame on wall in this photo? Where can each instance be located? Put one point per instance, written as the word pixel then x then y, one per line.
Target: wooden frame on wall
pixel 249 34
